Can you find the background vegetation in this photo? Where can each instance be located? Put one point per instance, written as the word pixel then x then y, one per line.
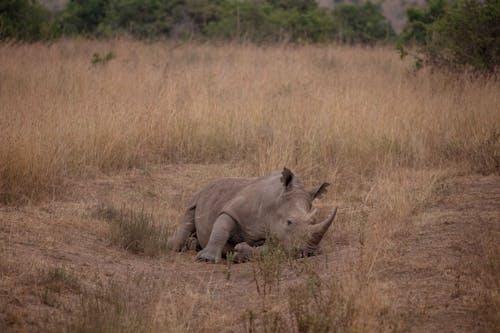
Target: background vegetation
pixel 257 21
pixel 459 35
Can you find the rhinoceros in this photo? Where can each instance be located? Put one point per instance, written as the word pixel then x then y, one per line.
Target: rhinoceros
pixel 239 214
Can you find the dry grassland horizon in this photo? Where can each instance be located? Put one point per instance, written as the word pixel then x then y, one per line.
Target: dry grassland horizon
pixel 324 110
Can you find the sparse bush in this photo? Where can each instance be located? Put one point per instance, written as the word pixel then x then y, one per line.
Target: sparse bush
pixel 135 231
pixel 267 269
pixel 319 307
pixel 268 266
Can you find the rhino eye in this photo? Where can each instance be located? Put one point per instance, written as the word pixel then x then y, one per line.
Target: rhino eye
pixel 289 222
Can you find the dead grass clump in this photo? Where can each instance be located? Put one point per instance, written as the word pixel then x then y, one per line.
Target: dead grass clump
pixel 145 304
pixel 265 320
pixel 315 307
pixel 135 231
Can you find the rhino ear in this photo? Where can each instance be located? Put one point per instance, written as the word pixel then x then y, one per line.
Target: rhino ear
pixel 286 178
pixel 319 191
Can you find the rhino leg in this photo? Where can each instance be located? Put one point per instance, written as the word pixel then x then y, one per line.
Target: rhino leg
pixel 245 252
pixel 221 232
pixel 178 241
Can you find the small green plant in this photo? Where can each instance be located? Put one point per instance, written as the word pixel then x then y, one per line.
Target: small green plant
pixel 135 231
pixel 55 281
pixel 97 59
pixel 229 263
pixel 267 267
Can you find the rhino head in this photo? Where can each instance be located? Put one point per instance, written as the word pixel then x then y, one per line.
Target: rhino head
pixel 291 218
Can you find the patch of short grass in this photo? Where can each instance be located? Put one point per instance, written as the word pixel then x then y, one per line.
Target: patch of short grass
pixel 55 281
pixel 134 230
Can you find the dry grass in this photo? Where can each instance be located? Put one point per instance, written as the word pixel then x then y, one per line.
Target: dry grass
pixel 322 110
pixel 385 137
pixel 134 230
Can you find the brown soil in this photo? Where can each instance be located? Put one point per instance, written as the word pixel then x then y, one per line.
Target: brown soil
pixel 431 278
pixel 435 280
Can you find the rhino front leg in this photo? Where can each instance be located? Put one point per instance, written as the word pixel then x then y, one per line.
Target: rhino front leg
pixel 178 240
pixel 221 231
pixel 245 252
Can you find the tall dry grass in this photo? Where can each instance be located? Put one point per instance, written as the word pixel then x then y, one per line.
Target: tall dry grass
pixel 324 110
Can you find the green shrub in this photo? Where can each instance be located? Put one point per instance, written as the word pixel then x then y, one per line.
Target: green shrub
pixel 251 20
pixel 417 30
pixel 457 36
pixel 362 23
pixel 82 16
pixel 270 21
pixel 23 20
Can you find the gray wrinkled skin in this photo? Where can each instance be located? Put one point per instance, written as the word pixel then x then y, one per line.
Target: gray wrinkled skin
pixel 238 214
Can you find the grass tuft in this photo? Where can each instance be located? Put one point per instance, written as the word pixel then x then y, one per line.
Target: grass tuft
pixel 135 231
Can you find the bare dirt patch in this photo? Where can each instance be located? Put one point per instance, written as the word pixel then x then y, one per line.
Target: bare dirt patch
pixel 435 274
pixel 433 277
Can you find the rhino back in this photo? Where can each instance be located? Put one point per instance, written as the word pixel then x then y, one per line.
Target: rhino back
pixel 254 205
pixel 210 202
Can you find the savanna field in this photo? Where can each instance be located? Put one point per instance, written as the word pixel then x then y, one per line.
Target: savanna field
pixel 102 145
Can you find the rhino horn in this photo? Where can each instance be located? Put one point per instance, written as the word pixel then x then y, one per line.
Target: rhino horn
pixel 317 231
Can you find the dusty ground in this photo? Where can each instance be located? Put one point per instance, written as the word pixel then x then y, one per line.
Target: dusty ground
pixel 431 277
pixel 435 279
